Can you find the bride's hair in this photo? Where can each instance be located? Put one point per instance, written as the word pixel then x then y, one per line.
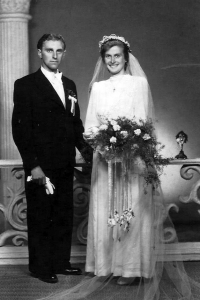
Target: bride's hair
pixel 111 43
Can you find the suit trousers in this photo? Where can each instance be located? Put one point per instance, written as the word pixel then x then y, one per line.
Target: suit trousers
pixel 50 222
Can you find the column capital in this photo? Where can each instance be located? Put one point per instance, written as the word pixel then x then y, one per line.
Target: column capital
pixel 14 11
pixel 14 6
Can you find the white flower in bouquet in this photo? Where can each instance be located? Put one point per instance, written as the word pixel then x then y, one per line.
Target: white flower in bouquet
pixel 111 222
pixel 116 216
pixel 95 130
pixel 146 136
pixel 137 131
pixel 113 140
pixel 134 146
pixel 116 127
pixel 121 220
pixel 113 122
pixel 103 127
pixel 129 216
pixel 124 133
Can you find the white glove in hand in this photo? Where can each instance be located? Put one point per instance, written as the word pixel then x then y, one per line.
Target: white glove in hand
pixel 48 185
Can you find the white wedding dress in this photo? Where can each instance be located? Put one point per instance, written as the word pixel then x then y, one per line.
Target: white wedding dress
pixel 111 250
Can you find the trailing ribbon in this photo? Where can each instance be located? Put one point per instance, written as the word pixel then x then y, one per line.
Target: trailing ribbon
pixel 111 221
pixel 119 212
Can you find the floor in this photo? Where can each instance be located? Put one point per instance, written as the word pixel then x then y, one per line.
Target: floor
pixel 17 284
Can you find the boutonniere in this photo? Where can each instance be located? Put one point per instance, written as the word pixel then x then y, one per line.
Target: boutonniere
pixel 72 97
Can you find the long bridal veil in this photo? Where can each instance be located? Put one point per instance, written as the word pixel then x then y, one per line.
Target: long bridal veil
pixel 168 279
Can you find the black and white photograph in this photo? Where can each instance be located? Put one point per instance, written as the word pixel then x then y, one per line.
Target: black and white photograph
pixel 99 150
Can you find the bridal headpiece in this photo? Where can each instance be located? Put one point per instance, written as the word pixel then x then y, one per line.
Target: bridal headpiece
pixel 112 37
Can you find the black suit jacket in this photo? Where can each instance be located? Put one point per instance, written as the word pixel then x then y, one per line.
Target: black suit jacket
pixel 45 132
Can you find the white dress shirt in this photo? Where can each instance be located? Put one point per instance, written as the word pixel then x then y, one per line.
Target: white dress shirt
pixel 56 81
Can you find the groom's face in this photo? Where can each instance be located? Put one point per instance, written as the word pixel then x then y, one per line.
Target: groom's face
pixel 51 54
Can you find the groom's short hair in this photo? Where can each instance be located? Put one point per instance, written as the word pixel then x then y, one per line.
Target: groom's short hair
pixel 50 37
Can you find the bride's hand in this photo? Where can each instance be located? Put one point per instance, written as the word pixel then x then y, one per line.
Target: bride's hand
pixel 90 133
pixel 87 135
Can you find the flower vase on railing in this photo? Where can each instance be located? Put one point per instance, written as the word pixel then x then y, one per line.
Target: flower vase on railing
pixel 181 139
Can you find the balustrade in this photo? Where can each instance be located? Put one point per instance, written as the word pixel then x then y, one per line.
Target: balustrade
pixel 13 237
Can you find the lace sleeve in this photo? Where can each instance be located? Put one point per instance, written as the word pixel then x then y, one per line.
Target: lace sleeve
pixel 91 116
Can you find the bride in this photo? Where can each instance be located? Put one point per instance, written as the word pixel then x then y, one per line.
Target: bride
pixel 124 94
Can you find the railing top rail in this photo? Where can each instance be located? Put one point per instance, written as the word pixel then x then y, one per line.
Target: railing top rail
pixel 190 161
pixel 7 163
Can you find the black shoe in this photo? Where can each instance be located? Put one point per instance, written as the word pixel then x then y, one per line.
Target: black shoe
pixel 70 271
pixel 52 278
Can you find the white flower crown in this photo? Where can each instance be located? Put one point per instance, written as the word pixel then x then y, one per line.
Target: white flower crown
pixel 111 37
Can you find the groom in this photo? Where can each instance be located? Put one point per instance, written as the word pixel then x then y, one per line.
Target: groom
pixel 46 128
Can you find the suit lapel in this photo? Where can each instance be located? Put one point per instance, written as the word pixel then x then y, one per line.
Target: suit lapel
pixel 67 101
pixel 47 89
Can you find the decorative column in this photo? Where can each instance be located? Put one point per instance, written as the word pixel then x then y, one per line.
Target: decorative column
pixel 14 63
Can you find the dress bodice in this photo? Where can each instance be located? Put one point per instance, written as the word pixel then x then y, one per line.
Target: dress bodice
pixel 119 96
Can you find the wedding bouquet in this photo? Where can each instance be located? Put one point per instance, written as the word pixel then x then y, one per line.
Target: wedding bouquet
pixel 123 138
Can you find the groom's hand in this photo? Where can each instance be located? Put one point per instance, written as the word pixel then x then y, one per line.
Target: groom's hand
pixel 86 152
pixel 38 176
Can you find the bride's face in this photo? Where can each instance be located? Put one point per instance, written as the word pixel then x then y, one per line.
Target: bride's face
pixel 115 61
